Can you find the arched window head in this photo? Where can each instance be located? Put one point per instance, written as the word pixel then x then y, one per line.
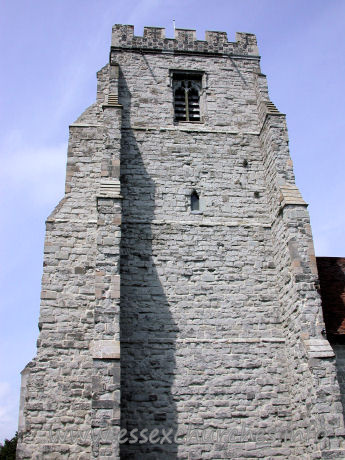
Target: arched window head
pixel 194 201
pixel 187 88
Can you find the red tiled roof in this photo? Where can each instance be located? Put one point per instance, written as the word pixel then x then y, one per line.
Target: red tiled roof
pixel 332 289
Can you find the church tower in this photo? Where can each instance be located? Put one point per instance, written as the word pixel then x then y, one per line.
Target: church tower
pixel 180 317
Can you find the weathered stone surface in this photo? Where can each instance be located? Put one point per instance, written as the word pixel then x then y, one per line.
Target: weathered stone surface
pixel 216 311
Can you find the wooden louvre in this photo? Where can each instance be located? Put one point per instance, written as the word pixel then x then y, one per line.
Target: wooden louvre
pixel 187 97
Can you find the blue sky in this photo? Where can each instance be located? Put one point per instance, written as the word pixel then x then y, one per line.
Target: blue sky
pixel 51 51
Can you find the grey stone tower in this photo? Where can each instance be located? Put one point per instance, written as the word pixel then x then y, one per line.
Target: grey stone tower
pixel 179 300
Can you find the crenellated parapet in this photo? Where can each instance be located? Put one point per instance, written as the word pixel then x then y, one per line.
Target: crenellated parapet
pixel 185 41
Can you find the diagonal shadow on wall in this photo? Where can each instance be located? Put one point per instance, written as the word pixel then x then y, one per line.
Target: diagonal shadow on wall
pixel 147 328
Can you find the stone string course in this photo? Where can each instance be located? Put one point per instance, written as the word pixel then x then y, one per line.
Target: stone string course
pixel 155 317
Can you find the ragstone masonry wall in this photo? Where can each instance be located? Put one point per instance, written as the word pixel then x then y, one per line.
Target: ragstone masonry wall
pixel 217 312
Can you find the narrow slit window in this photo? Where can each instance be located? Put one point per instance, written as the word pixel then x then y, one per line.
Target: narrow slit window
pixel 187 88
pixel 194 201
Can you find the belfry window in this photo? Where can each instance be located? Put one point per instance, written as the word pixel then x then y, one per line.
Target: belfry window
pixel 194 201
pixel 186 88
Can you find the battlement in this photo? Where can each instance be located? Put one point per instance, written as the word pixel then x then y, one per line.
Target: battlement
pixel 185 41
